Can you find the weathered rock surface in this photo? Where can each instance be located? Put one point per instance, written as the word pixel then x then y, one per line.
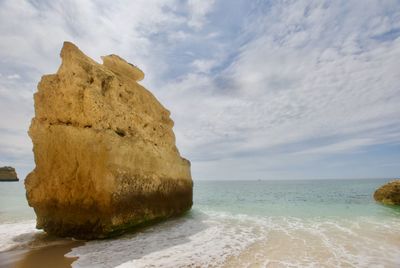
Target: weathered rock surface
pixel 389 194
pixel 104 150
pixel 8 174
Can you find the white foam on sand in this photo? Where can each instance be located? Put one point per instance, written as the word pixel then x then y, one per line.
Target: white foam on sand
pixel 13 235
pixel 214 239
pixel 324 242
pixel 196 240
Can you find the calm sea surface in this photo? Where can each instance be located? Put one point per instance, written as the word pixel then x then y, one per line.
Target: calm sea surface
pixel 314 223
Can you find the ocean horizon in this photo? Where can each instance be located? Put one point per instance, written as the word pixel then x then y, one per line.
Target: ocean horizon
pixel 262 223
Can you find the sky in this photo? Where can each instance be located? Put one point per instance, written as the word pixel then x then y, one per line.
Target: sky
pixel 257 89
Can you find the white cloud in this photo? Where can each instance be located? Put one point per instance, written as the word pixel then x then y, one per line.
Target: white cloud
pixel 339 147
pixel 302 78
pixel 32 33
pixel 13 76
pixel 98 28
pixel 198 11
pixel 204 65
pixel 311 79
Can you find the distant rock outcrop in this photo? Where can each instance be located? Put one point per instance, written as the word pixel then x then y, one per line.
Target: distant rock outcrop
pixel 104 150
pixel 389 194
pixel 8 174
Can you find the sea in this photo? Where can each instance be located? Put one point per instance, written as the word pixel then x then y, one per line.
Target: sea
pixel 280 223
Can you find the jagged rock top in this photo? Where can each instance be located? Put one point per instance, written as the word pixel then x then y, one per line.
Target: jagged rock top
pixel 7 169
pixel 121 67
pixel 106 98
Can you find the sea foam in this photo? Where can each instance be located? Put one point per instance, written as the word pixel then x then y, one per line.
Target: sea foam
pixel 16 234
pixel 219 239
pixel 196 240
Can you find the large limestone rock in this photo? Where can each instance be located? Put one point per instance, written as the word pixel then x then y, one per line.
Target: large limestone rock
pixel 104 150
pixel 389 194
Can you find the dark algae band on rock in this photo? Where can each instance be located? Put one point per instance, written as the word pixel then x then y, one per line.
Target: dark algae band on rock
pixel 389 194
pixel 105 153
pixel 8 174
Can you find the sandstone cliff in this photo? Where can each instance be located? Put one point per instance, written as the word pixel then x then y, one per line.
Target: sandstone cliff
pixel 104 150
pixel 389 194
pixel 8 174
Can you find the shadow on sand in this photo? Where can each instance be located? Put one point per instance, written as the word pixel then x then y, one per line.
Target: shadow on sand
pixel 38 250
pixel 42 250
pixel 115 251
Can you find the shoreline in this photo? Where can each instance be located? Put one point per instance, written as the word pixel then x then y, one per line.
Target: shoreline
pixel 272 224
pixel 45 256
pixel 24 246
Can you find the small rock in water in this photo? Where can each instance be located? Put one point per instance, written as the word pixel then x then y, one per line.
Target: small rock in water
pixel 8 174
pixel 104 149
pixel 389 194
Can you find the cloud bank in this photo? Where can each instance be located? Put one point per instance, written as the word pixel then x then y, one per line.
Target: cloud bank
pixel 268 90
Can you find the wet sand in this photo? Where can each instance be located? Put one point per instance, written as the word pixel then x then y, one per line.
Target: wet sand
pixel 42 257
pixel 333 244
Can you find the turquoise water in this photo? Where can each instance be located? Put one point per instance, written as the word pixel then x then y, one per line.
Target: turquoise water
pixel 296 198
pixel 13 204
pixel 309 223
pixel 305 198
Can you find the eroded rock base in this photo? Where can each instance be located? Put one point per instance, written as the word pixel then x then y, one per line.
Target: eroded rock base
pixel 128 212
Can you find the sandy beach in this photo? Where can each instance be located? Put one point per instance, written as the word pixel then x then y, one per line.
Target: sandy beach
pixel 48 256
pixel 42 251
pixel 272 224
